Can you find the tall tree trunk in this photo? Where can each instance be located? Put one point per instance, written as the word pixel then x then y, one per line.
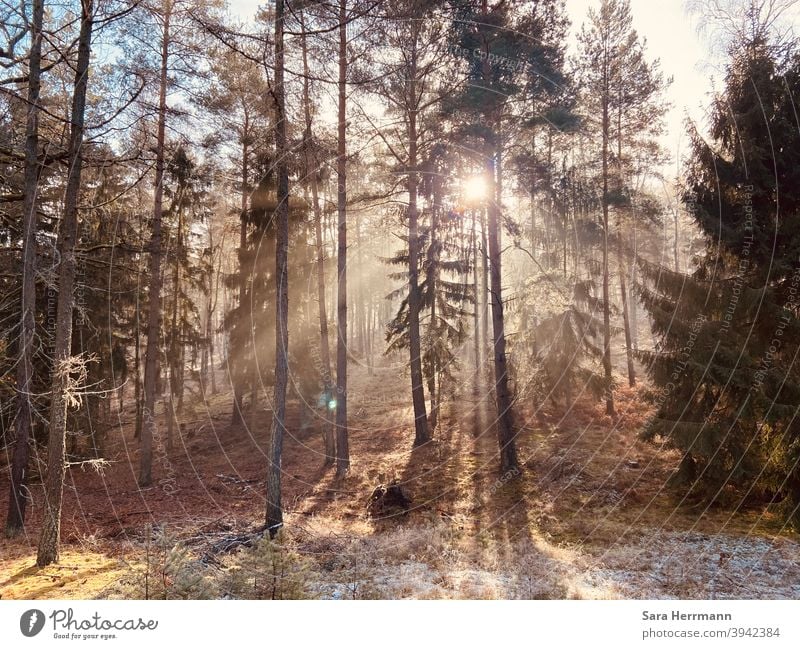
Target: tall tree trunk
pixel 550 201
pixel 627 325
pixel 421 432
pixel 237 417
pixel 61 386
pixel 532 239
pixel 207 321
pixel 565 226
pixel 210 343
pixel 151 356
pixel 342 445
pixel 632 293
pixel 255 370
pixel 205 325
pixel 137 348
pixel 433 394
pixel 476 315
pixel 274 513
pixel 182 364
pixel 675 240
pixel 621 265
pixel 212 334
pixel 505 424
pixel 434 382
pixel 204 353
pixel 137 361
pixel 609 390
pixel 17 499
pixel 328 431
pixel 173 360
pixel 484 292
pixel 371 338
pixel 505 421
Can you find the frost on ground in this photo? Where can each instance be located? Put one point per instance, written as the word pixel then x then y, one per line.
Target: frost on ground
pixel 703 566
pixel 436 562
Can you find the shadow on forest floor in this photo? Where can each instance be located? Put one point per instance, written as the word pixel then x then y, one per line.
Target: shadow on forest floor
pixel 589 516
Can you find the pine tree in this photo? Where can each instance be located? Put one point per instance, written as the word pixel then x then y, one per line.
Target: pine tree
pixel 602 45
pixel 342 441
pixel 63 389
pixel 187 276
pixel 274 510
pixel 175 29
pixel 412 88
pixel 728 331
pixel 312 150
pixel 152 351
pixel 235 103
pixel 447 295
pixel 518 52
pixel 17 500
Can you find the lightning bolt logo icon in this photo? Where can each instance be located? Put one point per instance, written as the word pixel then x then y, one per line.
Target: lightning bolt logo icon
pixel 31 622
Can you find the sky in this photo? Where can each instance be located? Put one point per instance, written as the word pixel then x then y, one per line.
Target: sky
pixel 671 36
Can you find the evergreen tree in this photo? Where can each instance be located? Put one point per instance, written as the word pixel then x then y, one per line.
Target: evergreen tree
pixel 63 391
pixel 509 49
pixel 728 332
pixel 186 274
pixel 603 44
pixel 446 292
pixel 24 380
pixel 412 88
pixel 234 101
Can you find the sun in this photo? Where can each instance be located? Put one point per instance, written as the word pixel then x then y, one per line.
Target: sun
pixel 474 189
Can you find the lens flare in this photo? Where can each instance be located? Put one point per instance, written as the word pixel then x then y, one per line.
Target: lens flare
pixel 474 189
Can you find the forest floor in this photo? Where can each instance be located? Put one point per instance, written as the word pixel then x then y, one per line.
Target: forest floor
pixel 590 516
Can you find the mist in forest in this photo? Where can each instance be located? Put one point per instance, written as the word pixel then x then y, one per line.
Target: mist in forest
pixel 297 285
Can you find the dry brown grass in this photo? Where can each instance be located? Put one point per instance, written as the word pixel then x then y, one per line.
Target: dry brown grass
pixel 80 574
pixel 586 517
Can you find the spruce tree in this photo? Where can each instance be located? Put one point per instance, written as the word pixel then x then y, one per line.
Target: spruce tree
pixel 725 365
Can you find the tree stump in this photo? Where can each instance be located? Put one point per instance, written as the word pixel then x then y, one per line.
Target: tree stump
pixel 388 500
